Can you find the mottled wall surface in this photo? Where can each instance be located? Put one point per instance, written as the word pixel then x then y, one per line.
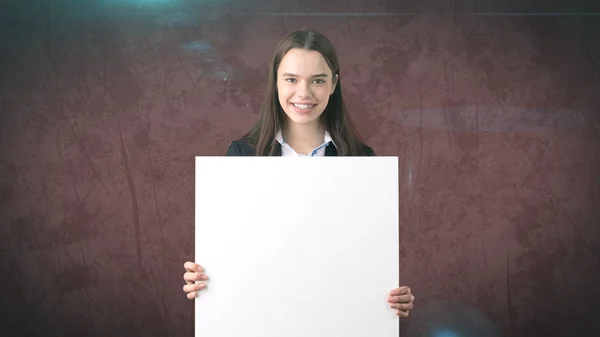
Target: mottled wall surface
pixel 104 104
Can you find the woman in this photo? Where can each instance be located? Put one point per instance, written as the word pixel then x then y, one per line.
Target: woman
pixel 302 115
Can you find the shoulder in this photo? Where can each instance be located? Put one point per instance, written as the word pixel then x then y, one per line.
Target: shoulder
pixel 366 150
pixel 240 147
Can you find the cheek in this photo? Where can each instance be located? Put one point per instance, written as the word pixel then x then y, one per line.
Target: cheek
pixel 324 94
pixel 284 93
pixel 280 92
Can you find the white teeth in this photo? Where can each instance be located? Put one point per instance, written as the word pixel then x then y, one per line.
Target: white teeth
pixel 303 106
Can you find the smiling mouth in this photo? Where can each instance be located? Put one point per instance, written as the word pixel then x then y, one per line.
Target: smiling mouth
pixel 303 106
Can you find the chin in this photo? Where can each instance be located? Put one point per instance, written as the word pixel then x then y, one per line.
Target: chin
pixel 303 120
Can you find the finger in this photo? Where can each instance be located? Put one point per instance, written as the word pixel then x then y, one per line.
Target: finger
pixel 400 291
pixel 194 287
pixel 191 277
pixel 191 295
pixel 192 267
pixel 402 313
pixel 406 298
pixel 401 306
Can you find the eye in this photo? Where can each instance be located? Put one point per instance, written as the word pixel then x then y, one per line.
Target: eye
pixel 291 80
pixel 320 81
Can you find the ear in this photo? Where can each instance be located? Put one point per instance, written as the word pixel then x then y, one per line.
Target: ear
pixel 334 83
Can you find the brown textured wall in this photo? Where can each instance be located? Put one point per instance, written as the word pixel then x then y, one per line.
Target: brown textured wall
pixel 104 104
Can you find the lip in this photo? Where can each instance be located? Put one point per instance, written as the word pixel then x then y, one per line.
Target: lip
pixel 303 111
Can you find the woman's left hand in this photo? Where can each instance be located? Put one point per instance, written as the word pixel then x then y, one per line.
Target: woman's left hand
pixel 401 299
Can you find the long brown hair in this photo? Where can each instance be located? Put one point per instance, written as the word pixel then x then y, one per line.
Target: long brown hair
pixel 335 116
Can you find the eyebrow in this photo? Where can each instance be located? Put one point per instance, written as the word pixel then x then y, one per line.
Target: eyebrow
pixel 294 75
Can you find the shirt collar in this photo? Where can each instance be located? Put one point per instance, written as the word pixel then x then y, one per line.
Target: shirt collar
pixel 326 141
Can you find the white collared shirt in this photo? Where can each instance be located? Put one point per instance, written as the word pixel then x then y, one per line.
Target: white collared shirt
pixel 319 151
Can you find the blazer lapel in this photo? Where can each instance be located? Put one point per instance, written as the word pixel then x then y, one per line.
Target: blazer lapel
pixel 277 152
pixel 330 150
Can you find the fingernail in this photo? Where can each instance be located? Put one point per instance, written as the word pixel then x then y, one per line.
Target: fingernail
pixel 201 285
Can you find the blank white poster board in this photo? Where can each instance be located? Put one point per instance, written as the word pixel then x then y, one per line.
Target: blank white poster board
pixel 297 247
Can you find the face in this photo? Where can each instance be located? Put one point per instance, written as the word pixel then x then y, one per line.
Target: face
pixel 304 84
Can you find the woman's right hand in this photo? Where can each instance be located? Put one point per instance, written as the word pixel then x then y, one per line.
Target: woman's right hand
pixel 193 272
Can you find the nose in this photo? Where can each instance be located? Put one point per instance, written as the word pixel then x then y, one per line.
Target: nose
pixel 303 89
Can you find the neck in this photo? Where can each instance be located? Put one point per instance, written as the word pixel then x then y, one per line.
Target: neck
pixel 304 138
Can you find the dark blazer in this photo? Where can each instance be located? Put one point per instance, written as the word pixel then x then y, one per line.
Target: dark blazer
pixel 241 147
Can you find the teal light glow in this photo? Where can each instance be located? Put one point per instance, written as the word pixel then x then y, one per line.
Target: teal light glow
pixel 445 333
pixel 138 3
pixel 152 2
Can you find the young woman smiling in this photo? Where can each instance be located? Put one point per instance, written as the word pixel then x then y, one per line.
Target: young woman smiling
pixel 303 114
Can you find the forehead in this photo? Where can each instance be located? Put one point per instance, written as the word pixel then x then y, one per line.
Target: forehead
pixel 304 63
